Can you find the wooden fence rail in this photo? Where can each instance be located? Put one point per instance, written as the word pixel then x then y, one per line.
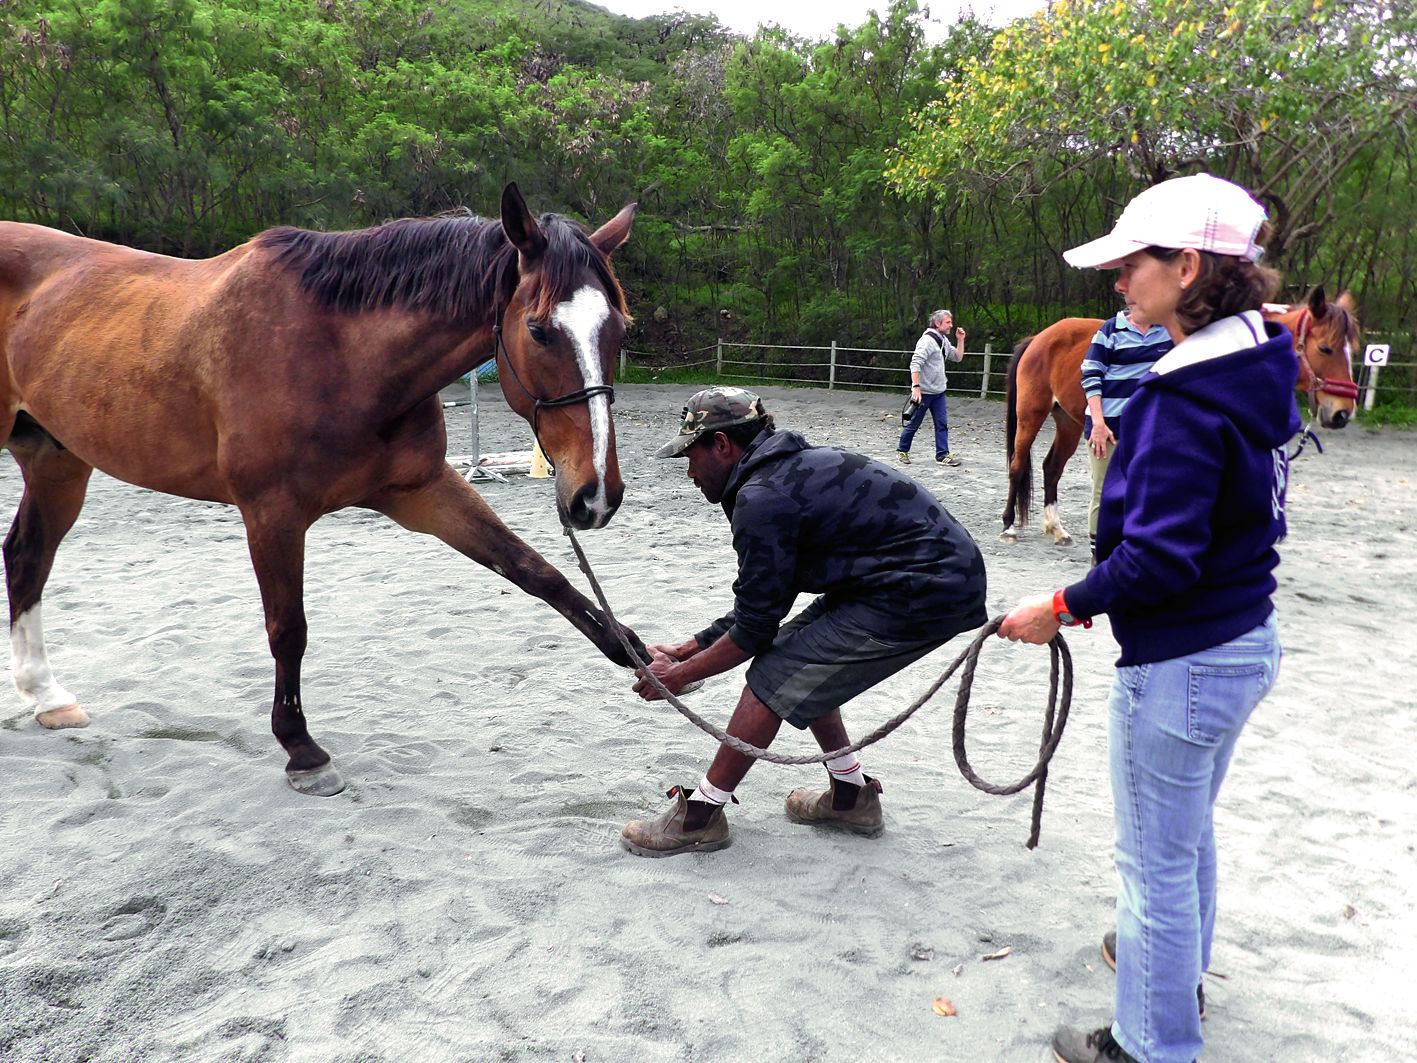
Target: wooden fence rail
pixel 979 374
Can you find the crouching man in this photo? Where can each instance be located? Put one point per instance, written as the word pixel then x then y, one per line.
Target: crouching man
pixel 896 577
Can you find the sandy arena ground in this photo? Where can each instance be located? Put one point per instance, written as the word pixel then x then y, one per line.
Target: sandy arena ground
pixel 165 896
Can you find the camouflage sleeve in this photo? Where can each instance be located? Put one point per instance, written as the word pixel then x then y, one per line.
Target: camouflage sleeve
pixel 766 525
pixel 715 631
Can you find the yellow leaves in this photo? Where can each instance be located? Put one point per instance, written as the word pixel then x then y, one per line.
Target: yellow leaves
pixel 1136 137
pixel 943 1007
pixel 1151 81
pixel 1104 47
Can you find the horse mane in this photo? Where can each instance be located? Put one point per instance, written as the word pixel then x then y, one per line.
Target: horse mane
pixel 454 266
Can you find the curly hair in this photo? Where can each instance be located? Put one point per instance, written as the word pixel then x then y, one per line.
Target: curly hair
pixel 742 434
pixel 1226 285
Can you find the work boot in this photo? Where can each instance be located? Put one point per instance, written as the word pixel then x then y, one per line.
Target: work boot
pixel 904 456
pixel 1099 1046
pixel 1109 953
pixel 843 805
pixel 686 827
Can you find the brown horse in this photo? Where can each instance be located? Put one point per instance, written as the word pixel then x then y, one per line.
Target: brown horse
pixel 1045 376
pixel 296 375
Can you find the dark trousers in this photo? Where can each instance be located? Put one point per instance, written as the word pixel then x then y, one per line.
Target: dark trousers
pixel 935 404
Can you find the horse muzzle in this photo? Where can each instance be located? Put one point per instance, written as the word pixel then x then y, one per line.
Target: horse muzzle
pixel 1334 418
pixel 591 506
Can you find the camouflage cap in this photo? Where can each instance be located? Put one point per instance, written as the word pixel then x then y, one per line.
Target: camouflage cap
pixel 709 411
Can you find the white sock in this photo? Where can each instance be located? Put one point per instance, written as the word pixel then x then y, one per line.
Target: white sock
pixel 710 794
pixel 847 769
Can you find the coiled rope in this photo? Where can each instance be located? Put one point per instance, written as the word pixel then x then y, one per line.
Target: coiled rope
pixel 1055 717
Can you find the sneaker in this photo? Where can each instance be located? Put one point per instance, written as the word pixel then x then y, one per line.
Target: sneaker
pixel 846 807
pixel 948 459
pixel 1109 953
pixel 904 456
pixel 1099 1046
pixel 683 828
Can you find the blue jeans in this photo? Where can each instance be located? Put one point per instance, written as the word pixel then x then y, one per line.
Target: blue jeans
pixel 936 405
pixel 1172 730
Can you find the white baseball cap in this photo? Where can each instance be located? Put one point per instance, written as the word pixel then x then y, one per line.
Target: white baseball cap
pixel 1200 211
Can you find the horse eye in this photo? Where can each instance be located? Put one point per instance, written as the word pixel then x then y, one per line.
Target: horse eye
pixel 1324 348
pixel 538 331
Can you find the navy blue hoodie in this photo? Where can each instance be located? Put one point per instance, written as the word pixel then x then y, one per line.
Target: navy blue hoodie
pixel 1193 503
pixel 818 519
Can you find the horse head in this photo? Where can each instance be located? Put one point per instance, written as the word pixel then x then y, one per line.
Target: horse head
pixel 1325 337
pixel 563 317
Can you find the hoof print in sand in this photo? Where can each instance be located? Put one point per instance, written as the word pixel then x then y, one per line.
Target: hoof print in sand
pixel 132 920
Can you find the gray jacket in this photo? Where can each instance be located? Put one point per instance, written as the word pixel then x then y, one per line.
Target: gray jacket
pixel 931 350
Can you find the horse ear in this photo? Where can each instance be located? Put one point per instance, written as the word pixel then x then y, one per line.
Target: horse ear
pixel 521 228
pixel 1348 303
pixel 616 231
pixel 1318 305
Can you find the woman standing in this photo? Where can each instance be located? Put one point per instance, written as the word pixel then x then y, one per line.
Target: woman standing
pixel 1192 507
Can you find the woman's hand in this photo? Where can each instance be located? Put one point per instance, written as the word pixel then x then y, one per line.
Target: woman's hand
pixel 1100 438
pixel 1031 620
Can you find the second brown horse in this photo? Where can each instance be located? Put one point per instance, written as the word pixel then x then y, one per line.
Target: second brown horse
pixel 1045 376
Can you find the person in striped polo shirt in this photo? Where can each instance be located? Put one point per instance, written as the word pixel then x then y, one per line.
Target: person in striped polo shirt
pixel 1121 354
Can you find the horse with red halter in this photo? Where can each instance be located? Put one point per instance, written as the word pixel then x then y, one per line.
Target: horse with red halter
pixel 1045 376
pixel 296 375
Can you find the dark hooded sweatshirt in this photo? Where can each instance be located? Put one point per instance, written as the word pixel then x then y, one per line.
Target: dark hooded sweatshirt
pixel 1193 503
pixel 827 521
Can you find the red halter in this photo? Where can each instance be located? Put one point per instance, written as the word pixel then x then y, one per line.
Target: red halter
pixel 1344 389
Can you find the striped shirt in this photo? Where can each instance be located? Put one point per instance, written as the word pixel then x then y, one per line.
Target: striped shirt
pixel 1120 355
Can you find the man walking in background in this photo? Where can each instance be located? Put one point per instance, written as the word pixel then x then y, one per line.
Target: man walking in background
pixel 927 385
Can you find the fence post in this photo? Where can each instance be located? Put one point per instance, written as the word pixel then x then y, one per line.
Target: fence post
pixel 831 374
pixel 984 380
pixel 720 357
pixel 1372 389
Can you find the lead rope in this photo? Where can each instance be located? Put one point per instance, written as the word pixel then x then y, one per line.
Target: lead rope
pixel 1055 717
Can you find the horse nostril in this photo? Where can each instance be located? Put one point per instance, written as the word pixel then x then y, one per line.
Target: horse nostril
pixel 586 510
pixel 1340 418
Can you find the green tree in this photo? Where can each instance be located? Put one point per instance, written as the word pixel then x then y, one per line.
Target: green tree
pixel 1280 95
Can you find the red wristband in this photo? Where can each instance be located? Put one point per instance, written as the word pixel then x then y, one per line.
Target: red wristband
pixel 1063 615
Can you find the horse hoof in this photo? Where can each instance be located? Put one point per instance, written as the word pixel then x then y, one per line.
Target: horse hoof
pixel 689 688
pixel 1008 537
pixel 323 781
pixel 1063 540
pixel 67 716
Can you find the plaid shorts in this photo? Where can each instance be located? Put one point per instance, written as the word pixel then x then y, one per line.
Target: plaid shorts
pixel 823 658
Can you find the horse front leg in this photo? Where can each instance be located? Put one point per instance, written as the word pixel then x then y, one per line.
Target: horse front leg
pixel 275 536
pixel 55 485
pixel 450 509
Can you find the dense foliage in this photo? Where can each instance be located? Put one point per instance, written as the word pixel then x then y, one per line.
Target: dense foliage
pixel 791 190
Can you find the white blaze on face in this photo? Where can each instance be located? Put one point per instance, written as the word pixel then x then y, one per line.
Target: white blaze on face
pixel 29 665
pixel 581 318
